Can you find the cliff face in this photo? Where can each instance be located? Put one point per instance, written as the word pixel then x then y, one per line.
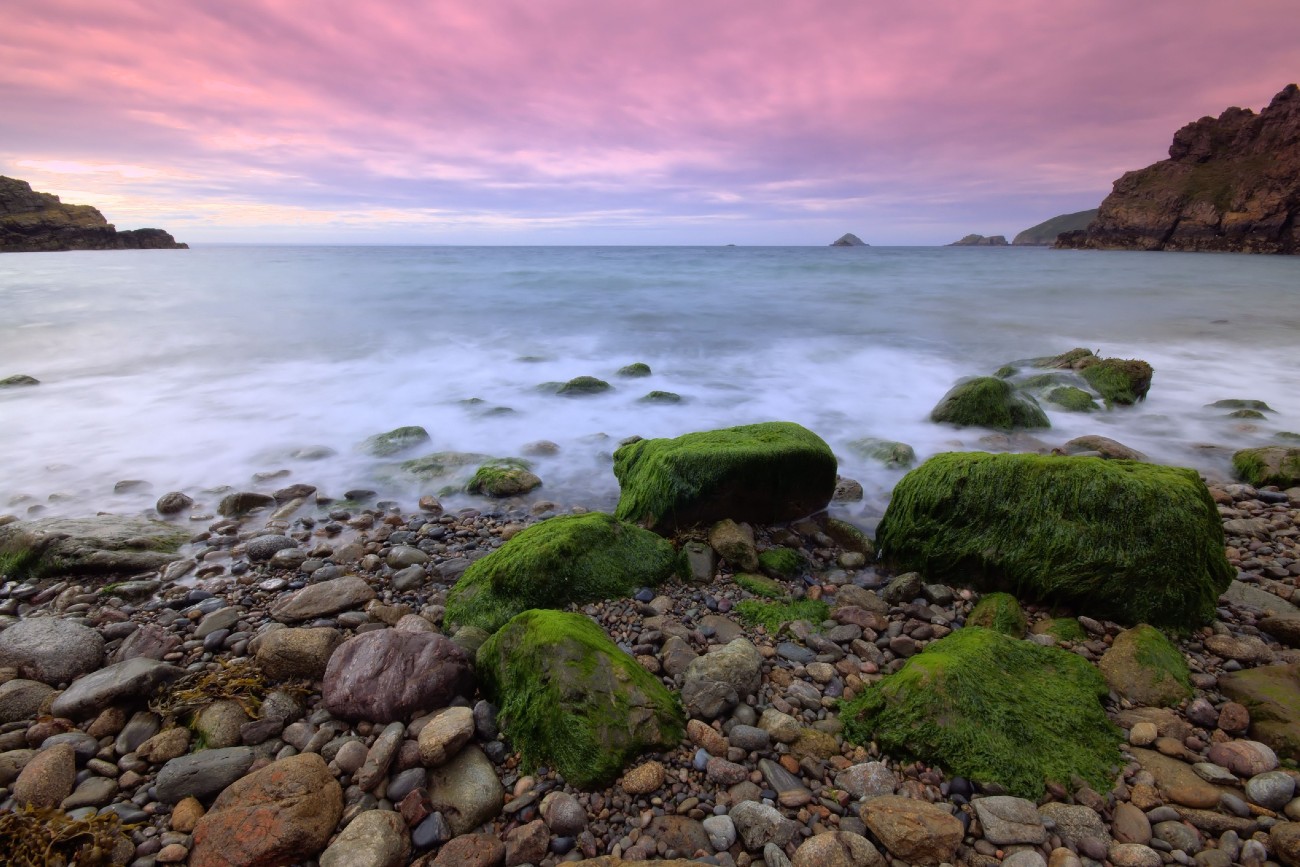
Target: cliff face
pixel 35 222
pixel 981 241
pixel 1231 184
pixel 1044 234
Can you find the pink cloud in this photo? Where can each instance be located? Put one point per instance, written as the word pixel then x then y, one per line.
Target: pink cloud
pixel 573 106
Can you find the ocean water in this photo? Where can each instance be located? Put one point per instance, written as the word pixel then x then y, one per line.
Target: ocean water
pixel 195 370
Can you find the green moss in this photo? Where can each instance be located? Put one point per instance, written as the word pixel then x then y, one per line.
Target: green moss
pixel 888 452
pixel 563 560
pixel 569 698
pixel 1006 371
pixel 661 397
pixel 993 709
pixel 770 615
pixel 1245 413
pixel 636 369
pixel 1238 403
pixel 781 562
pixel 394 441
pixel 848 536
pixel 989 402
pixel 1122 540
pixel 1073 399
pixel 1119 381
pixel 766 473
pixel 440 464
pixel 1066 359
pixel 999 612
pixel 1287 436
pixel 503 477
pixel 19 563
pixel 580 386
pixel 1046 380
pixel 1065 629
pixel 1158 654
pixel 1271 465
pixel 759 585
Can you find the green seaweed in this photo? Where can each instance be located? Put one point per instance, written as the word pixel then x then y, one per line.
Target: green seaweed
pixel 503 477
pixel 1239 403
pixel 993 709
pixel 570 558
pixel 661 397
pixel 1119 381
pixel 781 562
pixel 990 402
pixel 759 585
pixel 581 386
pixel 1072 399
pixel 397 440
pixel 1122 540
pixel 1156 652
pixel 1271 465
pixel 999 612
pixel 570 698
pixel 770 615
pixel 765 473
pixel 1065 629
pixel 1246 413
pixel 1046 380
pixel 636 369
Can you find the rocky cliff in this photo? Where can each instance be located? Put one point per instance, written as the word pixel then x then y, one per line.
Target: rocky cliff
pixel 981 241
pixel 1044 234
pixel 34 222
pixel 849 240
pixel 1231 184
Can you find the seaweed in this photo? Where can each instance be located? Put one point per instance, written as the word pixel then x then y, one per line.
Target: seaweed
pixel 44 837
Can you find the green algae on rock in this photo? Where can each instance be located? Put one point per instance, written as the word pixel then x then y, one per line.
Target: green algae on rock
pixel 1119 381
pixel 101 545
pixel 1121 540
pixel 1072 399
pixel 770 615
pixel 987 401
pixel 888 452
pixel 394 441
pixel 571 558
pixel 1272 695
pixel 1144 666
pixel 503 477
pixel 583 385
pixel 636 369
pixel 569 698
pixel 781 562
pixel 1060 628
pixel 1239 403
pixel 999 612
pixel 1271 465
pixel 994 709
pixel 759 585
pixel 766 473
pixel 660 397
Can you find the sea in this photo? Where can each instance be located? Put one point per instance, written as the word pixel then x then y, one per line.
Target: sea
pixel 255 367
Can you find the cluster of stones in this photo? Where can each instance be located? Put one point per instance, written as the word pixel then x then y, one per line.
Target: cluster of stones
pixel 374 742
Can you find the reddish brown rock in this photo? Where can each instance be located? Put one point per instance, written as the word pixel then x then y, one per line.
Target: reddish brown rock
pixel 527 844
pixel 388 675
pixel 471 850
pixel 48 778
pixel 280 815
pixel 918 832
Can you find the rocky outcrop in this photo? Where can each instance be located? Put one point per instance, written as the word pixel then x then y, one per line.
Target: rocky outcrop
pixel 1044 234
pixel 1231 184
pixel 33 222
pixel 981 241
pixel 848 239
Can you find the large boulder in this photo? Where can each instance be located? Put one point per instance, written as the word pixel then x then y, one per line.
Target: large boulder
pixel 1271 465
pixel 987 401
pixel 51 650
pixel 1144 666
pixel 574 558
pixel 389 675
pixel 280 815
pixel 719 680
pixel 102 545
pixel 1119 381
pixel 1122 540
pixel 764 473
pixel 569 698
pixel 993 709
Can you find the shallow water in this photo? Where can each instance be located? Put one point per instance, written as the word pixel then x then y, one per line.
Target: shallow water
pixel 195 370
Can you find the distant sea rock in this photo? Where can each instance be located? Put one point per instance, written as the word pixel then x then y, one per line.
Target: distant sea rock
pixel 850 240
pixel 1044 234
pixel 1231 184
pixel 35 222
pixel 981 241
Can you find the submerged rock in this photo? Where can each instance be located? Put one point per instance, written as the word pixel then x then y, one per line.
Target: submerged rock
pixel 769 473
pixel 993 709
pixel 570 698
pixel 583 385
pixel 573 558
pixel 395 441
pixel 506 477
pixel 990 402
pixel 1121 540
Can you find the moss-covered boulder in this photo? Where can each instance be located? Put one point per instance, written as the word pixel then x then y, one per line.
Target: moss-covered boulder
pixel 993 709
pixel 1239 403
pixel 660 397
pixel 1060 628
pixel 395 441
pixel 987 401
pixel 782 563
pixel 760 585
pixel 573 558
pixel 1272 695
pixel 634 370
pixel 505 477
pixel 1271 465
pixel 1072 399
pixel 581 386
pixel 999 612
pixel 18 380
pixel 1121 540
pixel 102 545
pixel 766 473
pixel 1119 381
pixel 435 467
pixel 888 452
pixel 1145 667
pixel 569 698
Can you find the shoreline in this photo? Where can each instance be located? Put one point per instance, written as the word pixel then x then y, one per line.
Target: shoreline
pixel 409 560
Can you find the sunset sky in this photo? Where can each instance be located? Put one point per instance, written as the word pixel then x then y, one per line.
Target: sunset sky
pixel 625 122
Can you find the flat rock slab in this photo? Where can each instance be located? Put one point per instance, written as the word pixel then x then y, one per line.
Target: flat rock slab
pixel 918 832
pixel 1010 821
pixel 1177 781
pixel 1249 596
pixel 51 650
pixel 202 775
pixel 132 679
pixel 319 600
pixel 388 675
pixel 1272 695
pixel 102 545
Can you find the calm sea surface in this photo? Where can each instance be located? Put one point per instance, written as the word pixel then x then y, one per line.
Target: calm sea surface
pixel 195 370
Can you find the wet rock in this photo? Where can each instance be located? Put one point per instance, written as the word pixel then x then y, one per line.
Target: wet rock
pixel 715 682
pixel 644 779
pixel 51 650
pixel 319 600
pixel 150 641
pixel 527 844
pixel 375 838
pixel 915 831
pixel 1177 781
pixel 241 503
pixel 563 814
pixel 1076 825
pixel 282 814
pixel 388 675
pixel 1272 789
pixel 1244 758
pixel 202 775
pixel 444 735
pixel 47 778
pixel 471 850
pixel 1271 694
pixel 263 548
pixel 173 503
pixel 165 745
pixel 837 849
pixel 1010 821
pixel 1145 667
pixel 466 790
pixel 758 824
pixel 22 699
pixel 721 831
pixel 289 654
pixel 735 544
pixel 132 679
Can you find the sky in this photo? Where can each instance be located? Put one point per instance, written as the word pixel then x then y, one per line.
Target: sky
pixel 627 122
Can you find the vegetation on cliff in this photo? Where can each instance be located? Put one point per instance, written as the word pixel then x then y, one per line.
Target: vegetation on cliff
pixel 38 222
